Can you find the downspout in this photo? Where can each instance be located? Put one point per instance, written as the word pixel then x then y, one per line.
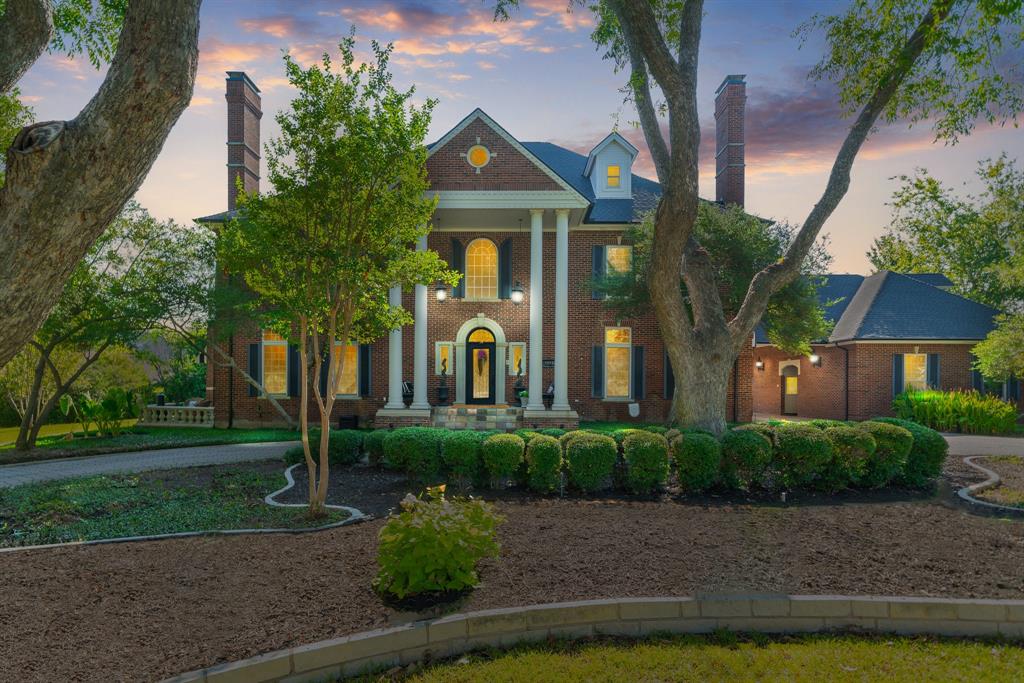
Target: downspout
pixel 735 390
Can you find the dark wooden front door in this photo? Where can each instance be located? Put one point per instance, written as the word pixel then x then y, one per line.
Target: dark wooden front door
pixel 480 375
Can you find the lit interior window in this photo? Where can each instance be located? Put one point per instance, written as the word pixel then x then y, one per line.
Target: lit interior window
pixel 619 258
pixel 444 359
pixel 613 176
pixel 275 364
pixel 481 270
pixel 346 361
pixel 617 361
pixel 915 372
pixel 481 335
pixel 518 362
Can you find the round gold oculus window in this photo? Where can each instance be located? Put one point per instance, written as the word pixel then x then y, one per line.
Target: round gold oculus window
pixel 478 156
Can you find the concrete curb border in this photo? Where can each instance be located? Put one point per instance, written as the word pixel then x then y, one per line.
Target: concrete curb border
pixel 355 516
pixel 772 613
pixel 993 481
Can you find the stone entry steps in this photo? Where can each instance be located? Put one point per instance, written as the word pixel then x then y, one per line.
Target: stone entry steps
pixel 500 418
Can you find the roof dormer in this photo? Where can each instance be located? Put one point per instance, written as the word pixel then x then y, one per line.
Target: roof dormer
pixel 609 168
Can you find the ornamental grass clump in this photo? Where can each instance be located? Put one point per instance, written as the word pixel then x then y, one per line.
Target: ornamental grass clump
pixel 502 456
pixel 801 452
pixel 543 464
pixel 890 457
pixel 415 451
pixel 590 461
pixel 851 450
pixel 928 452
pixel 646 458
pixel 746 455
pixel 969 412
pixel 698 458
pixel 460 452
pixel 433 545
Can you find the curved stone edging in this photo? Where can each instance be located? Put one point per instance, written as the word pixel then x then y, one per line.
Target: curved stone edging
pixel 993 481
pixel 458 633
pixel 355 516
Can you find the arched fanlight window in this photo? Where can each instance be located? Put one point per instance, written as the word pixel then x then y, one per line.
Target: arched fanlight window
pixel 481 269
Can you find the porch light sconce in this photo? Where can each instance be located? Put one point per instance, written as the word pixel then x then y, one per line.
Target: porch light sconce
pixel 517 293
pixel 759 364
pixel 815 360
pixel 442 291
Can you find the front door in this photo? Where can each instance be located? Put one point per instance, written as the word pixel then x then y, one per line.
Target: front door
pixel 790 390
pixel 480 363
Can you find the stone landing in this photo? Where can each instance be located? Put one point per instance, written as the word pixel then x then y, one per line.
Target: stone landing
pixel 499 418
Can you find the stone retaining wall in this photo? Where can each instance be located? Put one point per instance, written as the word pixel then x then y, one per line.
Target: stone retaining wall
pixel 455 634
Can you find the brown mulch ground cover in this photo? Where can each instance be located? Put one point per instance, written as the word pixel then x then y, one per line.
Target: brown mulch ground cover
pixel 1011 489
pixel 143 611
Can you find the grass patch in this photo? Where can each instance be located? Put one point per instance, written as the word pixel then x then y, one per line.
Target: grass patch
pixel 171 501
pixel 731 657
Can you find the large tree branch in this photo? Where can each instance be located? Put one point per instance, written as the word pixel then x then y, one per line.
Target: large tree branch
pixel 25 31
pixel 778 275
pixel 67 180
pixel 648 116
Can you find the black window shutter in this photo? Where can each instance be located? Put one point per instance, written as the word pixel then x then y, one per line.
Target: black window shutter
pixel 505 270
pixel 933 371
pixel 597 372
pixel 977 383
pixel 670 378
pixel 324 369
pixel 897 373
pixel 1012 389
pixel 597 269
pixel 639 373
pixel 458 263
pixel 293 370
pixel 365 369
pixel 254 368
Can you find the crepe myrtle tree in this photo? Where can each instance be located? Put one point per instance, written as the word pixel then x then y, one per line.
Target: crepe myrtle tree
pixel 53 203
pixel 910 60
pixel 348 207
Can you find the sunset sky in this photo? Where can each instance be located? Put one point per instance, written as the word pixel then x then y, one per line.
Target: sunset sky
pixel 540 77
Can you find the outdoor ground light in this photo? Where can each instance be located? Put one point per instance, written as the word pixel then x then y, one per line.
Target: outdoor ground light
pixel 759 364
pixel 442 291
pixel 815 360
pixel 517 293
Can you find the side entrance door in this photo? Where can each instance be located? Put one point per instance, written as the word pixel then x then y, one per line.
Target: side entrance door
pixel 480 377
pixel 790 390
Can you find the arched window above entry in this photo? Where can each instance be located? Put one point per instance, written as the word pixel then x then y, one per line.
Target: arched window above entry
pixel 481 269
pixel 480 334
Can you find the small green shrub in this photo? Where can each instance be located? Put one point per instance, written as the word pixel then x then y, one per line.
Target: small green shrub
pixel 434 545
pixel 543 464
pixel 698 458
pixel 957 411
pixel 746 454
pixel 763 428
pixel 928 452
pixel 801 452
pixel 655 429
pixel 552 431
pixel 590 460
pixel 502 455
pixel 460 452
pixel 851 450
pixel 825 424
pixel 526 434
pixel 564 439
pixel 672 434
pixel 646 457
pixel 415 451
pixel 620 434
pixel 294 455
pixel 344 447
pixel 890 457
pixel 373 443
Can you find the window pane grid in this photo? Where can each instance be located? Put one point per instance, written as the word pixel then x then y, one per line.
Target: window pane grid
pixel 275 368
pixel 618 355
pixel 613 176
pixel 346 363
pixel 481 270
pixel 915 372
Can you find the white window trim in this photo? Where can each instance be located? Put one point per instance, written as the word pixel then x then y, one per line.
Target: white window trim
pixel 905 385
pixel 497 274
pixel 264 343
pixel 618 345
pixel 339 345
pixel 511 355
pixel 437 358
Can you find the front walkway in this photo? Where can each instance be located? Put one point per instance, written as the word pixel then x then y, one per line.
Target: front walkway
pixel 972 444
pixel 140 461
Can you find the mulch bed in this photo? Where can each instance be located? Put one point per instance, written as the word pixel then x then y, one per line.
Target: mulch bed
pixel 1011 471
pixel 144 611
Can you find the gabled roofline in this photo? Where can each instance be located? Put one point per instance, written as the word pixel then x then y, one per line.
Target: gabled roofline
pixel 849 323
pixel 479 113
pixel 609 139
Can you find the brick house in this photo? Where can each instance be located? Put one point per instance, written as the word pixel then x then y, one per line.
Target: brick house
pixel 529 224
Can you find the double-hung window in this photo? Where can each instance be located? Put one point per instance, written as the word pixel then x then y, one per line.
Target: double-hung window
pixel 915 371
pixel 618 258
pixel 614 175
pixel 275 363
pixel 346 363
pixel 618 359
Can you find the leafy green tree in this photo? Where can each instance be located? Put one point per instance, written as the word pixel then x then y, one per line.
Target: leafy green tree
pixel 321 253
pixel 894 60
pixel 13 115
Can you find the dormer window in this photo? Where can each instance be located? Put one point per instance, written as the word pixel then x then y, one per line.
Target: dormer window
pixel 613 176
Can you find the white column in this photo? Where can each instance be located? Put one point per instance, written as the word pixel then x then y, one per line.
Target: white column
pixel 395 358
pixel 536 351
pixel 561 399
pixel 419 367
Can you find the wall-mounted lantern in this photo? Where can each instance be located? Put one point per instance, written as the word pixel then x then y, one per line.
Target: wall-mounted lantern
pixel 517 293
pixel 815 360
pixel 759 364
pixel 441 292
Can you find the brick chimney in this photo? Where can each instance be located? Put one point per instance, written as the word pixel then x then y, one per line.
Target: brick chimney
pixel 730 101
pixel 244 114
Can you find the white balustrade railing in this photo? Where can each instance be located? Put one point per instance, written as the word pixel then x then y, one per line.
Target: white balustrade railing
pixel 177 416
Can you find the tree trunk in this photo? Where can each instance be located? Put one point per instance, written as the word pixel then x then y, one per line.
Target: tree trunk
pixel 702 386
pixel 25 30
pixel 31 415
pixel 55 203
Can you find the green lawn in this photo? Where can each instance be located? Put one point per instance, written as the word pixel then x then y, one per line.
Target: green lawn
pixel 191 499
pixel 729 658
pixel 8 435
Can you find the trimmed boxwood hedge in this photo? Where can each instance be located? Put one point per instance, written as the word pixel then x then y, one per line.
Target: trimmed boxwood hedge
pixel 543 464
pixel 801 452
pixel 746 455
pixel 763 428
pixel 890 457
pixel 415 451
pixel 928 452
pixel 502 455
pixel 698 458
pixel 373 443
pixel 851 450
pixel 460 453
pixel 646 458
pixel 344 447
pixel 590 460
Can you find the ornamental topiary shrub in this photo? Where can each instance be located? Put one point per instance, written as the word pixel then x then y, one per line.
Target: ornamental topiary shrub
pixel 801 452
pixel 928 452
pixel 502 455
pixel 646 458
pixel 698 458
pixel 344 447
pixel 890 456
pixel 373 444
pixel 851 450
pixel 433 546
pixel 460 453
pixel 415 451
pixel 746 455
pixel 543 464
pixel 590 461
